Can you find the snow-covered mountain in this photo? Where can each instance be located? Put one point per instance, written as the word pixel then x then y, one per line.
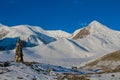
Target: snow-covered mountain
pixel 30 36
pixel 97 38
pixel 85 44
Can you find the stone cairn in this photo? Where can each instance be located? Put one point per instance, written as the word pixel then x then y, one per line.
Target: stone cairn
pixel 18 52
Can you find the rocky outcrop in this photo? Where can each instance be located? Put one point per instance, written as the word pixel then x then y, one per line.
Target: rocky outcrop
pixel 82 33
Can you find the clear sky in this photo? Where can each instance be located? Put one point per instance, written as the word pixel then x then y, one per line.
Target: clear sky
pixel 67 15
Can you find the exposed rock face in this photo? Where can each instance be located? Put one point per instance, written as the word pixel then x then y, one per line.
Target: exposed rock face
pixel 19 53
pixel 82 33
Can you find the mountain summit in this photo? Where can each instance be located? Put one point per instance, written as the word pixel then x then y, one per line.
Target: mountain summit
pixel 92 28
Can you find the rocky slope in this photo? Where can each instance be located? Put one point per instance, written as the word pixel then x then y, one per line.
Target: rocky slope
pixel 110 61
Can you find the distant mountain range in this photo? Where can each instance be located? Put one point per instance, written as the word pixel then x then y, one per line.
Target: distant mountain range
pixel 90 42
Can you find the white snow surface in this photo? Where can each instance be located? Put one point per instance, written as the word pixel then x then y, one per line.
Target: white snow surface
pixel 38 71
pixel 21 72
pixel 63 51
pixel 58 34
pixel 58 48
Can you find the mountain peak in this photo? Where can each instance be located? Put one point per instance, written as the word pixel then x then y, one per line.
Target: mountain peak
pixel 95 25
pixel 93 28
pixel 94 22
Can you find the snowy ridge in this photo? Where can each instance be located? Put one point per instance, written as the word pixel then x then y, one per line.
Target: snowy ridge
pixel 57 45
pixel 58 34
pixel 30 35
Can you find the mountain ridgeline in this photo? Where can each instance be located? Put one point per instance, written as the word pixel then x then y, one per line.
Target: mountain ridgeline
pixel 91 39
pixel 58 47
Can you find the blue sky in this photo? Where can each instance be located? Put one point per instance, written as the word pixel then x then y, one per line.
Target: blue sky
pixel 67 15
